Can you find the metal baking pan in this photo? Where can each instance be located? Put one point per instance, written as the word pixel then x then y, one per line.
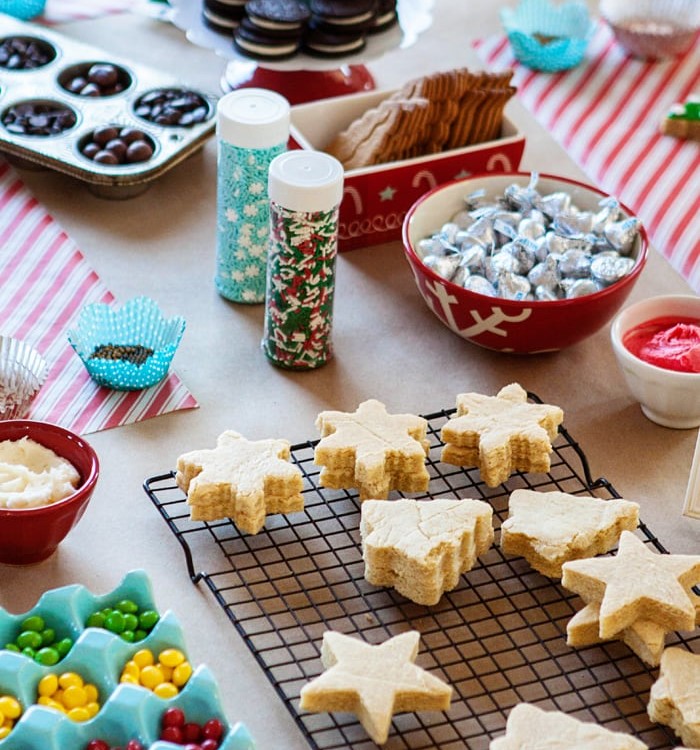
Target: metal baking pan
pixel 172 143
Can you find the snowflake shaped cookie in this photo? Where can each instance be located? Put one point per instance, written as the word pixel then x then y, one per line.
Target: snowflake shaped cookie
pixel 501 434
pixel 372 451
pixel 241 480
pixel 422 547
pixel 373 682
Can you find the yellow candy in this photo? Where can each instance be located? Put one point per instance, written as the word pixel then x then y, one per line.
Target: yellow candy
pixel 91 694
pixel 92 708
pixel 4 731
pixel 167 672
pixel 171 657
pixel 132 669
pixel 2 718
pixel 48 684
pixel 79 713
pixel 10 707
pixel 151 676
pixel 51 703
pixel 74 696
pixel 143 658
pixel 129 679
pixel 165 690
pixel 70 678
pixel 182 673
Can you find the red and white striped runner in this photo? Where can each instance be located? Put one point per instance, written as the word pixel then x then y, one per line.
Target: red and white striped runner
pixel 606 114
pixel 44 282
pixel 64 11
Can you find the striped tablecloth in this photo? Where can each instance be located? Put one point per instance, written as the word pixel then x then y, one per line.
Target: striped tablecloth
pixel 45 281
pixel 64 11
pixel 606 114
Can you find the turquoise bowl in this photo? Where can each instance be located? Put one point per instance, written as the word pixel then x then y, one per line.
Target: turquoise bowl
pixel 139 322
pixel 548 37
pixel 126 711
pixel 22 9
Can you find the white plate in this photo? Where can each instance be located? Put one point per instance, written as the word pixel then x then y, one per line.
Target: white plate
pixel 415 16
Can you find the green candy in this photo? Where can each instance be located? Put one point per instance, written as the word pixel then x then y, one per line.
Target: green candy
pixel 48 636
pixel 47 656
pixel 148 618
pixel 128 636
pixel 115 621
pixel 139 634
pixel 12 647
pixel 127 606
pixel 96 620
pixel 30 652
pixel 35 623
pixel 29 639
pixel 131 622
pixel 63 646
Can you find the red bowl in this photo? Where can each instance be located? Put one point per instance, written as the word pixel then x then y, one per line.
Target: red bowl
pixel 517 326
pixel 29 535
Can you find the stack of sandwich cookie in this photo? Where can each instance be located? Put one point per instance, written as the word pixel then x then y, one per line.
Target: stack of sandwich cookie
pixel 385 17
pixel 271 29
pixel 223 16
pixel 339 27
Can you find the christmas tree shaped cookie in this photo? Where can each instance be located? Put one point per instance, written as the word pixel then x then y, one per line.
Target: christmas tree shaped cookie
pixel 549 528
pixel 373 682
pixel 501 434
pixel 422 547
pixel 683 120
pixel 241 480
pixel 636 584
pixel 530 728
pixel 674 699
pixel 372 451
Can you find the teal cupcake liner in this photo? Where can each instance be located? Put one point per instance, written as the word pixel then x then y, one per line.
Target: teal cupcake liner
pixel 139 323
pixel 548 37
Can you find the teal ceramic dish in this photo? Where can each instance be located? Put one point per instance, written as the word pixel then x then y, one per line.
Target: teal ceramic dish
pixel 127 711
pixel 548 37
pixel 22 9
pixel 147 340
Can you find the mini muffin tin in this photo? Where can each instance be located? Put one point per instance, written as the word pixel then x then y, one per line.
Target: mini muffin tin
pixel 49 84
pixel 126 711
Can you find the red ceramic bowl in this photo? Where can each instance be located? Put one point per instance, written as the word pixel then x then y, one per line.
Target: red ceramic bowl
pixel 517 326
pixel 29 535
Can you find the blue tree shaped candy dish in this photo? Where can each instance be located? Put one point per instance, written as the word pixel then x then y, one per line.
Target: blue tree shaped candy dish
pixel 127 711
pixel 548 37
pixel 128 348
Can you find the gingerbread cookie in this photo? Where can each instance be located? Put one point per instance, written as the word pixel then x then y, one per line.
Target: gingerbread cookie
pixel 530 728
pixel 501 434
pixel 422 547
pixel 241 480
pixel 372 451
pixel 674 699
pixel 373 682
pixel 636 584
pixel 550 528
pixel 683 120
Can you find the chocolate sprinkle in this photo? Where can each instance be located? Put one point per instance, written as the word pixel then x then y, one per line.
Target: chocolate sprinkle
pixel 130 353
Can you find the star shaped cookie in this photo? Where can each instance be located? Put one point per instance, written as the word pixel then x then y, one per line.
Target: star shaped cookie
pixel 242 480
pixel 373 682
pixel 422 547
pixel 501 434
pixel 550 528
pixel 674 699
pixel 636 584
pixel 530 728
pixel 372 451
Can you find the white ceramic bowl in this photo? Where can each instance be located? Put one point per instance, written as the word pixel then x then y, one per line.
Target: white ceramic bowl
pixel 667 397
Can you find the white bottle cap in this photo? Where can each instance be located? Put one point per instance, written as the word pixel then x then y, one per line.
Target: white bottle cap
pixel 253 118
pixel 305 181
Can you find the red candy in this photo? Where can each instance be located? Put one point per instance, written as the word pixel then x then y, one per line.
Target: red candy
pixel 176 729
pixel 213 730
pixel 102 745
pixel 173 717
pixel 172 734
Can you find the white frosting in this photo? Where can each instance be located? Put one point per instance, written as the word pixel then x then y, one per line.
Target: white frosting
pixel 32 475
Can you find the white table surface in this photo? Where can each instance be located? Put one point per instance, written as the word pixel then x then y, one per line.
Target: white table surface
pixel 388 346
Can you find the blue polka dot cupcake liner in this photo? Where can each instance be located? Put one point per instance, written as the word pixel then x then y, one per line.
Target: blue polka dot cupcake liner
pixel 129 348
pixel 22 9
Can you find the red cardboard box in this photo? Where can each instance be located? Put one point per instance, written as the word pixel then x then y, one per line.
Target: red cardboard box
pixel 376 199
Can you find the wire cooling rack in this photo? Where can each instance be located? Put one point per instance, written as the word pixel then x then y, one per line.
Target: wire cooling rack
pixel 498 639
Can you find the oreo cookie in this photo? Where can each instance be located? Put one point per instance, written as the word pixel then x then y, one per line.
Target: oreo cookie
pixel 278 16
pixel 343 16
pixel 322 43
pixel 263 45
pixel 385 17
pixel 223 16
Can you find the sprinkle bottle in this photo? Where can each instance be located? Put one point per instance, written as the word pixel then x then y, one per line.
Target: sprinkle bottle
pixel 252 129
pixel 305 190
